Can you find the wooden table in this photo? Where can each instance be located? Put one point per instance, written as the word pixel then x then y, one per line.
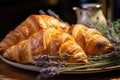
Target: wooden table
pixel 8 72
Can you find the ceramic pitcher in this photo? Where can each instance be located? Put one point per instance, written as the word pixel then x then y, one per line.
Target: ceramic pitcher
pixel 89 14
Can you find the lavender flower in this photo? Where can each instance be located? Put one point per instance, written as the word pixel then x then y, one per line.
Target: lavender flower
pixel 113 40
pixel 41 12
pixel 110 30
pixel 50 12
pixel 109 22
pixel 48 66
pixel 47 72
pixel 101 44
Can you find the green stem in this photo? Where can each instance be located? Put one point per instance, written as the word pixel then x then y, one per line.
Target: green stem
pixel 102 63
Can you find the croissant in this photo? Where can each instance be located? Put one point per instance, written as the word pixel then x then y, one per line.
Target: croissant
pixel 47 42
pixel 91 40
pixel 31 25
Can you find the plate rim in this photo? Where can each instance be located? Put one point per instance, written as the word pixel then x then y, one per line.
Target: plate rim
pixel 20 65
pixel 35 68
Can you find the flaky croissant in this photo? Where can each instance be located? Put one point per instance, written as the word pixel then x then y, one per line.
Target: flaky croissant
pixel 48 42
pixel 91 40
pixel 31 25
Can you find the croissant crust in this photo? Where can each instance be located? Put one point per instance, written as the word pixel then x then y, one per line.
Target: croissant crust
pixel 48 42
pixel 31 25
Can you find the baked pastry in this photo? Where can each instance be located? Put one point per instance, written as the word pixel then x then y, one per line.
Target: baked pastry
pixel 47 42
pixel 31 25
pixel 91 40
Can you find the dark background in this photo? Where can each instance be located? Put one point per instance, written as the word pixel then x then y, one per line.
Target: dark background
pixel 13 12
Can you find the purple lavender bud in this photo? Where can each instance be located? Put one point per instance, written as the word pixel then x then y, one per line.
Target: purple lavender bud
pixel 41 12
pixel 50 12
pixel 106 33
pixel 110 30
pixel 42 64
pixel 62 63
pixel 45 57
pixel 113 40
pixel 48 66
pixel 101 44
pixel 118 49
pixel 37 58
pixel 47 72
pixel 109 22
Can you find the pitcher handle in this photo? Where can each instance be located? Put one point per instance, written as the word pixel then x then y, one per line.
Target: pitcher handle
pixel 77 11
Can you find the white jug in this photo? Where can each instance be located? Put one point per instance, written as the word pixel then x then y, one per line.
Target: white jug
pixel 89 14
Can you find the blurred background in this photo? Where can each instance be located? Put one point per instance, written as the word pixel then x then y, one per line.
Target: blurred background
pixel 13 12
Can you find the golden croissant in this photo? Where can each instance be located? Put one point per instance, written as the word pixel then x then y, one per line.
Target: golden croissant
pixel 47 42
pixel 91 40
pixel 31 25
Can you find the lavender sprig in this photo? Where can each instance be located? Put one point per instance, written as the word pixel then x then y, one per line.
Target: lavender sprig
pixel 47 72
pixel 52 13
pixel 111 31
pixel 42 12
pixel 56 67
pixel 48 66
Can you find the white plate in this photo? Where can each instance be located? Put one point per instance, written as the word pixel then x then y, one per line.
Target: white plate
pixel 83 71
pixel 19 65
